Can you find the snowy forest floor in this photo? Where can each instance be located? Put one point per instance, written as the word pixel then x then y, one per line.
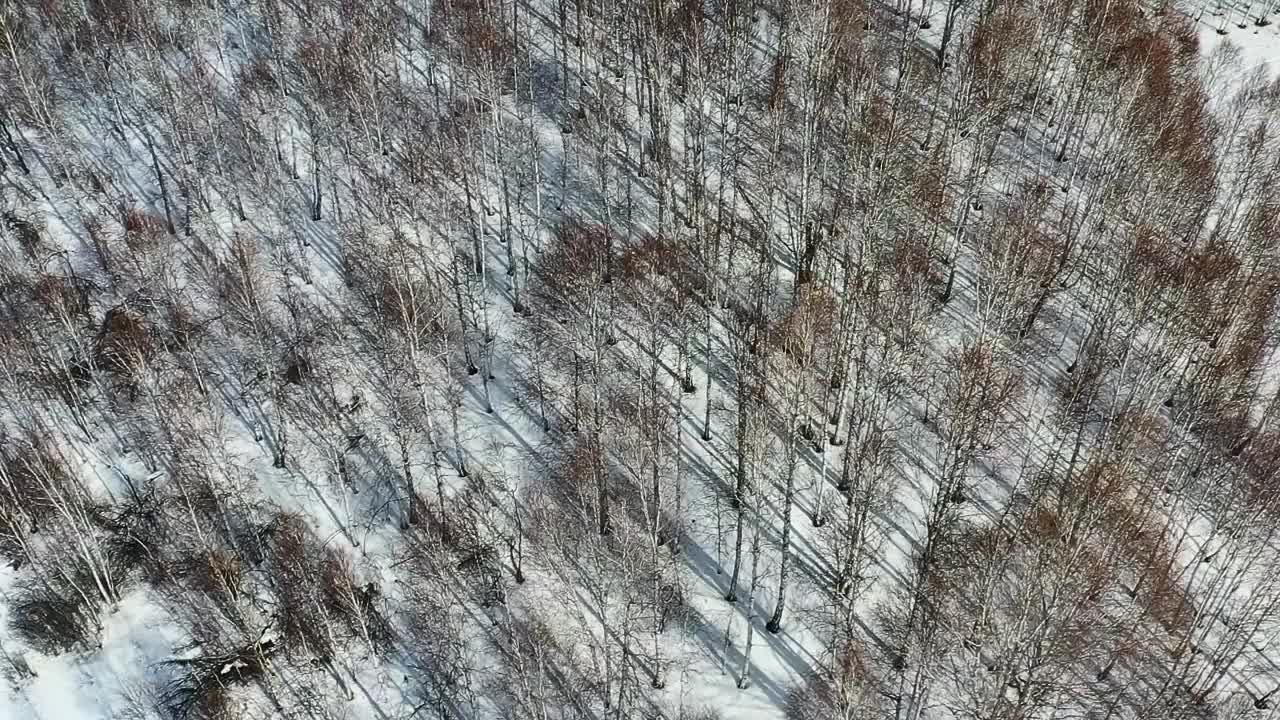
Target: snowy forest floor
pixel 459 360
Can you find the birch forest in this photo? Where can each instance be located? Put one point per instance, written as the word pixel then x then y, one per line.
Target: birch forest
pixel 639 359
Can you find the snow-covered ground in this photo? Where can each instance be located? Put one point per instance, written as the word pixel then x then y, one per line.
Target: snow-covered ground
pixel 343 467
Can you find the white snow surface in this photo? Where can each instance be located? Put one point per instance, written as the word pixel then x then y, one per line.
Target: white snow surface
pixel 112 681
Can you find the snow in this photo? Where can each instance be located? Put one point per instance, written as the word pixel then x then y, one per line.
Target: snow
pixel 106 683
pixel 1256 50
pixel 113 680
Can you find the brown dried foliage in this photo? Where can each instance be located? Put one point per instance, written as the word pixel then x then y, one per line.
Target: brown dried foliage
pixel 574 264
pixel 125 339
pixel 659 271
pixel 317 593
pixel 978 389
pixel 481 42
pixel 144 231
pixel 810 321
pixel 34 477
pixel 58 294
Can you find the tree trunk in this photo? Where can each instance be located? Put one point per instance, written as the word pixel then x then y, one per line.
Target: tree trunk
pixel 164 189
pixel 282 430
pixel 775 623
pixel 751 603
pixel 13 147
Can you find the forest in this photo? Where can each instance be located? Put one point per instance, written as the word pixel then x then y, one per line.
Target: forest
pixel 639 359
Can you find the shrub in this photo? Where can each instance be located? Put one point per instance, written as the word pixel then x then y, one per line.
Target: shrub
pixel 135 533
pixel 27 232
pixel 143 230
pixel 30 477
pixel 294 580
pixel 297 367
pixel 356 604
pixel 201 689
pixel 52 619
pixel 123 339
pixel 317 594
pixel 60 294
